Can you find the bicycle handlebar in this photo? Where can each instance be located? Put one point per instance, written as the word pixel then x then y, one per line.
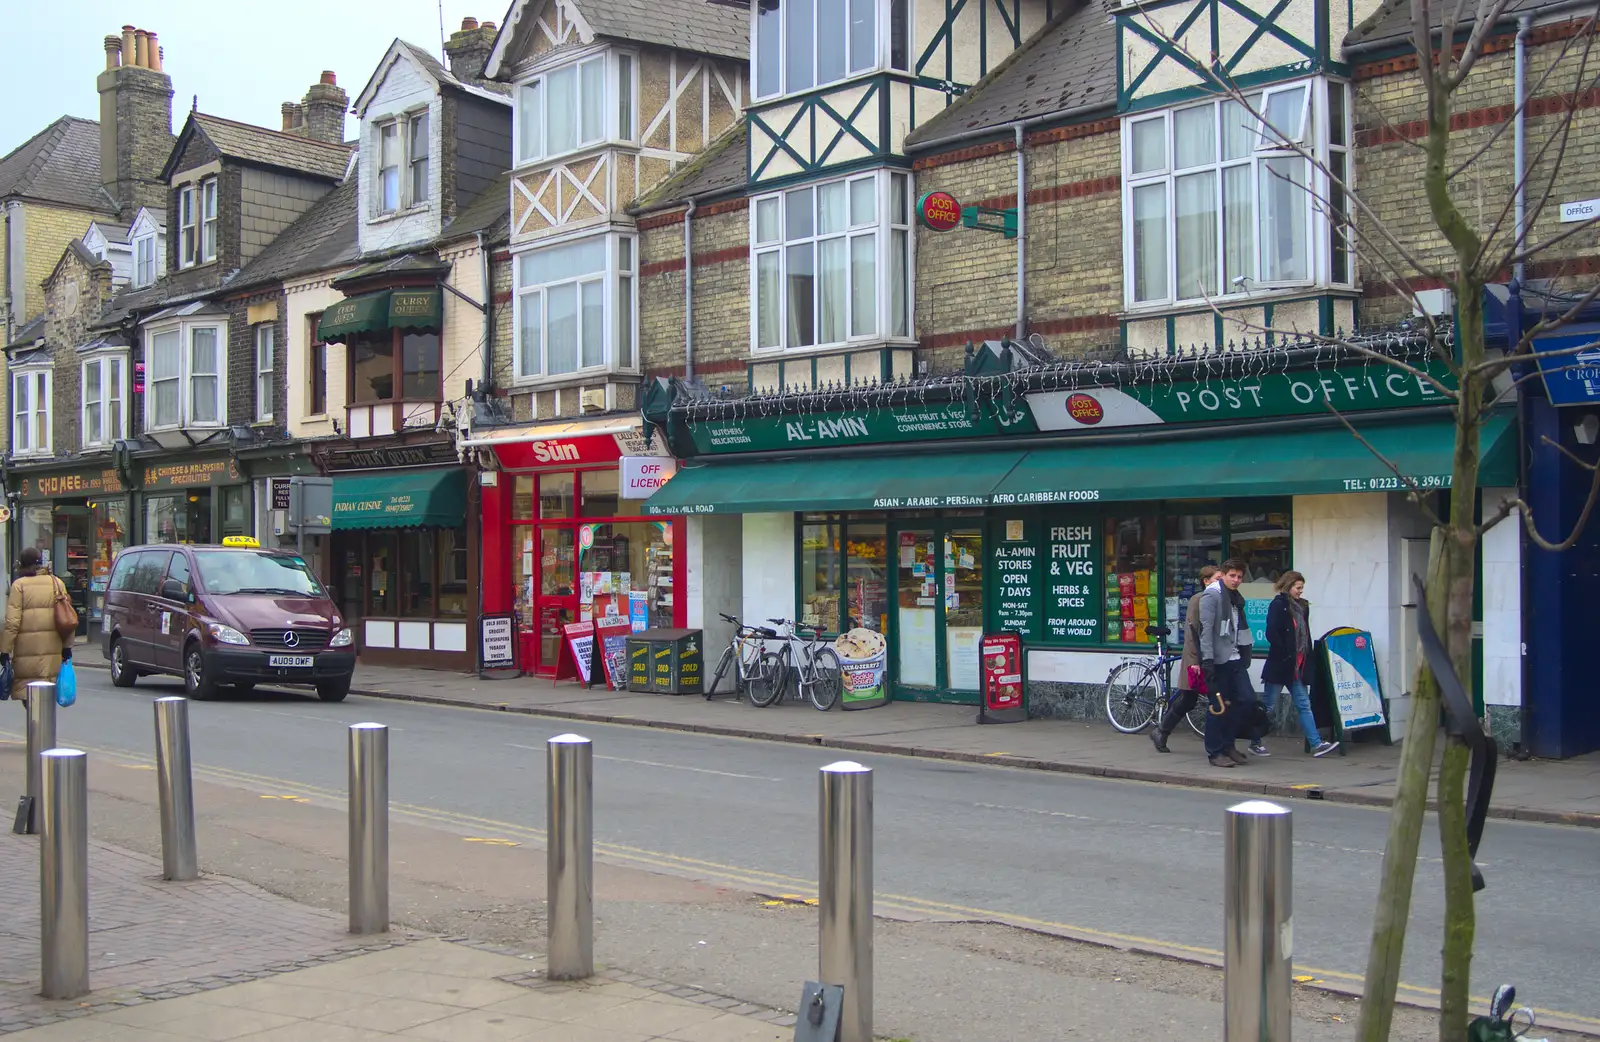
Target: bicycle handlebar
pixel 728 618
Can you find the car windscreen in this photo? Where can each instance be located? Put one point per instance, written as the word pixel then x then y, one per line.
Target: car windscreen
pixel 255 572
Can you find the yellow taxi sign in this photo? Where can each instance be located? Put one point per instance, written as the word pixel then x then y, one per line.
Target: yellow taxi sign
pixel 248 542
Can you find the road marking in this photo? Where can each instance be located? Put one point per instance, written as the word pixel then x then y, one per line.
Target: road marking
pixel 681 767
pixel 491 841
pixel 291 799
pixel 138 766
pixel 769 882
pixel 997 754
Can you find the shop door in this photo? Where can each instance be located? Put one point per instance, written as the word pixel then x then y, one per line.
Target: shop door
pixel 556 600
pixel 347 581
pixel 938 619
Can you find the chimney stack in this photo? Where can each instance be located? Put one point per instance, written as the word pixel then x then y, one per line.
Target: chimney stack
pixel 135 120
pixel 292 118
pixel 468 50
pixel 323 108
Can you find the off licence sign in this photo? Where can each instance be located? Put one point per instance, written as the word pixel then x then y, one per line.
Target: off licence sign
pixel 938 211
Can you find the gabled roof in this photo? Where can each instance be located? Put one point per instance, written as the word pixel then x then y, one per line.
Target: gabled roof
pixel 1069 65
pixel 718 169
pixel 60 164
pixel 110 231
pixel 262 147
pixel 1392 24
pixel 156 217
pixel 323 237
pixel 430 67
pixel 718 29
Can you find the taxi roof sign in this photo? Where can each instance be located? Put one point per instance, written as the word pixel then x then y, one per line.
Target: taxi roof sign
pixel 242 540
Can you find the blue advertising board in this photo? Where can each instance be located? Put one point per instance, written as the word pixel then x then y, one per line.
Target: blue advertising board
pixel 1570 362
pixel 1353 673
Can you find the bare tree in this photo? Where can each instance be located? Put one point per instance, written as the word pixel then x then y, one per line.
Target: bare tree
pixel 1450 39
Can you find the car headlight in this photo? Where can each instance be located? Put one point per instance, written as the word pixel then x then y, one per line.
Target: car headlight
pixel 342 639
pixel 226 634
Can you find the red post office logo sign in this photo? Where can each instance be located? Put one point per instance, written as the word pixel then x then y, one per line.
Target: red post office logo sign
pixel 1086 409
pixel 938 211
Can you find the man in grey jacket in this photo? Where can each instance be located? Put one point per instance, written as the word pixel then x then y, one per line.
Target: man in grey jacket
pixel 1224 643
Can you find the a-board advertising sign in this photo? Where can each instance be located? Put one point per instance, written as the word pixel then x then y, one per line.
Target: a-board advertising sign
pixel 579 639
pixel 497 644
pixel 612 633
pixel 1000 669
pixel 1352 671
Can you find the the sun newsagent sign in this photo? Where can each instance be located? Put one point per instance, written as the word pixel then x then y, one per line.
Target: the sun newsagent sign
pixel 1354 388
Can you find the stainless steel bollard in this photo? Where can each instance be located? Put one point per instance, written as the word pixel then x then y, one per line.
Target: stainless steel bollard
pixel 41 736
pixel 63 814
pixel 569 857
pixel 844 890
pixel 1258 924
pixel 369 828
pixel 175 787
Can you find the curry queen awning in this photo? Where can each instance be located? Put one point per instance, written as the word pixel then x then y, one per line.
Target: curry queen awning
pixel 385 309
pixel 434 498
pixel 1263 463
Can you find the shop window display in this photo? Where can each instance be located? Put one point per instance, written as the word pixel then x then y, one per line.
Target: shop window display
pixel 1132 596
pixel 1192 542
pixel 844 574
pixel 620 564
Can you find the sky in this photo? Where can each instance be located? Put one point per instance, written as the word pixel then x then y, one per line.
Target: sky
pixel 243 58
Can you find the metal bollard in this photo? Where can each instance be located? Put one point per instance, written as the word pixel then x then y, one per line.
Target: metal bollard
pixel 569 857
pixel 64 874
pixel 369 828
pixel 1258 924
pixel 175 787
pixel 41 695
pixel 844 890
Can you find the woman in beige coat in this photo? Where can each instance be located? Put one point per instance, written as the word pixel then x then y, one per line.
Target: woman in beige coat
pixel 30 639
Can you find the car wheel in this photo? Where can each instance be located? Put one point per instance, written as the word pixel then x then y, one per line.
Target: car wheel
pixel 333 690
pixel 196 682
pixel 122 674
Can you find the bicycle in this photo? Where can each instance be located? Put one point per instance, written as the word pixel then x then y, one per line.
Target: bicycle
pixel 817 665
pixel 1139 690
pixel 755 669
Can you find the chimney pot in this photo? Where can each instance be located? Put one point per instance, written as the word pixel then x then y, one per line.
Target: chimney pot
pixel 155 54
pixel 141 48
pixel 113 46
pixel 127 46
pixel 288 109
pixel 488 25
pixel 329 78
pixel 468 22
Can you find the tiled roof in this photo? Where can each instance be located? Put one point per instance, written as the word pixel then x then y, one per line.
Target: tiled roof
pixel 30 331
pixel 319 239
pixel 718 169
pixel 486 213
pixel 436 68
pixel 112 231
pixel 693 25
pixel 1069 64
pixel 273 148
pixel 60 164
pixel 1392 25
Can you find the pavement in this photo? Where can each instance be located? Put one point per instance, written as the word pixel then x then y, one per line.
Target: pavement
pixel 1564 792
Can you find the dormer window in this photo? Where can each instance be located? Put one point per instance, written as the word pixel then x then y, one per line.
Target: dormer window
pixel 144 260
pixel 197 223
pixel 802 44
pixel 566 109
pixel 403 163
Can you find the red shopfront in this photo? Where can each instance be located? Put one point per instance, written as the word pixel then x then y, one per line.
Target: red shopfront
pixel 561 544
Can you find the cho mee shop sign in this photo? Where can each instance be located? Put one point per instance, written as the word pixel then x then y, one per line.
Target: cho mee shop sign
pixel 73 483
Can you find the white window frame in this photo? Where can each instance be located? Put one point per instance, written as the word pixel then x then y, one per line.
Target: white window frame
pixel 188 227
pixel 144 244
pixel 619 282
pixel 878 52
pixel 186 374
pixel 415 163
pixel 113 370
pixel 209 243
pixel 1315 135
pixel 403 124
pixel 614 108
pixel 25 424
pixel 888 230
pixel 265 347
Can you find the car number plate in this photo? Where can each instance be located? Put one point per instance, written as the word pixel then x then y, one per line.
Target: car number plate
pixel 289 660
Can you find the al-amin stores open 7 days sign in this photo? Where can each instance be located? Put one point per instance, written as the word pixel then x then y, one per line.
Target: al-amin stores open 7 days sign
pixel 938 211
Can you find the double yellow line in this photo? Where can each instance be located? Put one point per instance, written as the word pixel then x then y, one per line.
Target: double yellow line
pixel 769 884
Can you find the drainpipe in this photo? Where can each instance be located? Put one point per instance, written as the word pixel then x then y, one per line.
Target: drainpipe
pixel 1022 236
pixel 1520 138
pixel 487 383
pixel 688 293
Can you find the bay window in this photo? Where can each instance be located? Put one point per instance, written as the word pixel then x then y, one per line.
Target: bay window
pixel 185 371
pixel 566 109
pixel 564 295
pixel 831 262
pixel 105 396
pixel 1219 203
pixel 801 44
pixel 30 412
pixel 396 365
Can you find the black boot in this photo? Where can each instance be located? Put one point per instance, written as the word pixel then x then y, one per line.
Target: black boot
pixel 1158 737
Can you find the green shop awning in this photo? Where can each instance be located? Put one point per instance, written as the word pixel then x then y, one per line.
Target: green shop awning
pixel 856 483
pixel 401 499
pixel 415 308
pixel 1265 463
pixel 368 313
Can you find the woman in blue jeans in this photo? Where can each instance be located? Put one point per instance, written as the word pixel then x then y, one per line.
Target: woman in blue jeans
pixel 1288 663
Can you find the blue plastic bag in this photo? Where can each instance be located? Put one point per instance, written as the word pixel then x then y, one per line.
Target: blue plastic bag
pixel 66 685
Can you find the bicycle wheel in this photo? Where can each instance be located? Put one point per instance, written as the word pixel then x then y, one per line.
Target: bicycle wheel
pixel 827 679
pixel 1197 716
pixel 1131 698
pixel 722 668
pixel 771 679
